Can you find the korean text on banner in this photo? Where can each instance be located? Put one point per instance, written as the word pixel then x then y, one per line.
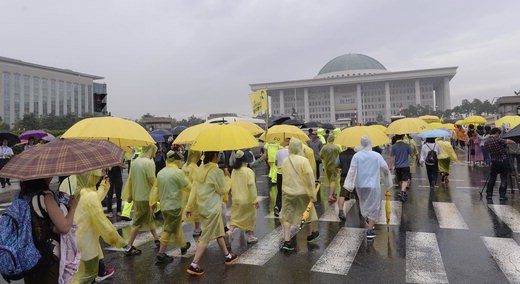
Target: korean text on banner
pixel 258 101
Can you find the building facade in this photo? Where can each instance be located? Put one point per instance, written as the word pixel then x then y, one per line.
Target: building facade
pixel 43 90
pixel 358 88
pixel 508 105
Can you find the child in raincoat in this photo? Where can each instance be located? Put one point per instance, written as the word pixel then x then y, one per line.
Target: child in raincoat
pixel 92 224
pixel 168 190
pixel 244 198
pixel 297 192
pixel 328 155
pixel 137 189
pixel 212 185
pixel 190 169
pixel 446 155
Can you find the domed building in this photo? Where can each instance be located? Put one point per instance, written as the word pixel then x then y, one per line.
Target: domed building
pixel 355 88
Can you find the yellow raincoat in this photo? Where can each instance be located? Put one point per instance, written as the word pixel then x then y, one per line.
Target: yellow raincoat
pixel 297 186
pixel 211 186
pixel 190 168
pixel 446 155
pixel 309 154
pixel 92 224
pixel 412 159
pixel 328 155
pixel 138 185
pixel 243 199
pixel 320 133
pixel 168 190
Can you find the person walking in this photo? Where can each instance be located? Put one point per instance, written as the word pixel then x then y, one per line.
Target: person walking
pixel 499 163
pixel 281 155
pixel 344 160
pixel 446 155
pixel 190 169
pixel 364 174
pixel 399 163
pixel 316 145
pixel 429 157
pixel 137 189
pixel 328 155
pixel 244 200
pixel 212 185
pixel 168 191
pixel 5 155
pixel 116 187
pixel 270 149
pixel 297 191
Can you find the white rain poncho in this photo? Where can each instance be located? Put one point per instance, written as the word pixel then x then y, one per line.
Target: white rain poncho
pixel 364 175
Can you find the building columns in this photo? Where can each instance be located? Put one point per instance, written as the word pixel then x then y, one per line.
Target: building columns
pixel 306 104
pixel 332 109
pixel 388 103
pixel 417 92
pixel 359 104
pixel 282 106
pixel 446 101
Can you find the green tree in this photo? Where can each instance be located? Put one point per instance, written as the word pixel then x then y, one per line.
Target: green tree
pixel 28 122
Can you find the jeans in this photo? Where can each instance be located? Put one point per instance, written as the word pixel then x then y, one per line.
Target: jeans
pixel 279 191
pixel 116 187
pixel 502 168
pixel 433 174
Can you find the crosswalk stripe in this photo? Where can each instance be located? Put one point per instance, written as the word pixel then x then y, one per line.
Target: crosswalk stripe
pixel 423 259
pixel 331 214
pixel 449 216
pixel 264 250
pixel 508 215
pixel 396 209
pixel 506 254
pixel 339 255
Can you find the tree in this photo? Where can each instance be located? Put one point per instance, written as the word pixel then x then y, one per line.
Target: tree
pixel 28 122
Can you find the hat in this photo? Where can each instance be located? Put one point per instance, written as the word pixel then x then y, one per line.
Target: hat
pixel 175 155
pixel 239 154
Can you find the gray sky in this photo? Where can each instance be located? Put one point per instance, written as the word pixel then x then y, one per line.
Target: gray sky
pixel 188 57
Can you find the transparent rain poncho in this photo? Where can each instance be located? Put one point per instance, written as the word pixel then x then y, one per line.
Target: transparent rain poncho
pixel 328 155
pixel 297 186
pixel 243 198
pixel 189 200
pixel 364 175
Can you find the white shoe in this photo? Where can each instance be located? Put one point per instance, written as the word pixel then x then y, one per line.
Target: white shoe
pixel 252 239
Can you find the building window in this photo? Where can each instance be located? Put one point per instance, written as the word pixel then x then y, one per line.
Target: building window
pixel 36 94
pixel 17 96
pixel 90 100
pixel 68 96
pixel 83 98
pixel 53 97
pixel 26 94
pixel 76 98
pixel 45 95
pixel 62 98
pixel 7 97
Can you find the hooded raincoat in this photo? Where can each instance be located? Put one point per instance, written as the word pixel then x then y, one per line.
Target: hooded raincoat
pixel 92 224
pixel 297 186
pixel 446 155
pixel 243 198
pixel 212 185
pixel 190 169
pixel 328 155
pixel 138 185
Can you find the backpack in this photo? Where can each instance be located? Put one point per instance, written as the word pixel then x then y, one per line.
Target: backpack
pixel 431 157
pixel 18 253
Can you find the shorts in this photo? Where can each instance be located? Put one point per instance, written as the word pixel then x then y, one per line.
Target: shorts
pixel 403 174
pixel 343 192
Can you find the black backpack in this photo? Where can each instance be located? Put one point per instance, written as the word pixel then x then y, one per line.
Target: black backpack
pixel 431 157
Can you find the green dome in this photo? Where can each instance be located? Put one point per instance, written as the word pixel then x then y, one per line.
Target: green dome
pixel 350 62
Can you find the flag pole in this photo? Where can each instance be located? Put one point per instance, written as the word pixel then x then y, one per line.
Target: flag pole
pixel 266 113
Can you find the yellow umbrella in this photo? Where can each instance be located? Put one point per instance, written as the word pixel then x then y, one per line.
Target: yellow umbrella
pixel 278 133
pixel 224 137
pixel 512 120
pixel 449 126
pixel 380 127
pixel 188 135
pixel 387 209
pixel 351 137
pixel 430 118
pixel 460 122
pixel 475 119
pixel 122 132
pixel 435 125
pixel 307 211
pixel 250 126
pixel 407 126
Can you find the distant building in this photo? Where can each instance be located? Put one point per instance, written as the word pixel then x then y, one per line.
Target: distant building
pixel 357 88
pixel 153 123
pixel 508 105
pixel 32 88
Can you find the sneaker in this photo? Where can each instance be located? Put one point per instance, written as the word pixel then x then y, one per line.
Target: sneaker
pixel 195 271
pixel 132 251
pixel 231 259
pixel 341 215
pixel 163 258
pixel 313 237
pixel 108 272
pixel 157 244
pixel 371 234
pixel 197 232
pixel 503 198
pixel 288 246
pixel 184 249
pixel 252 239
pixel 276 211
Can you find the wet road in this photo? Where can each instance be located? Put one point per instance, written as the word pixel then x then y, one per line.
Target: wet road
pixel 446 235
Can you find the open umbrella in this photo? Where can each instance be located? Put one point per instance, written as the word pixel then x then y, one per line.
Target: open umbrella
pixel 49 137
pixel 63 157
pixel 327 126
pixel 36 134
pixel 430 118
pixel 163 132
pixel 351 137
pixel 435 133
pixel 122 132
pixel 512 120
pixel 178 129
pixel 224 137
pixel 279 133
pixel 249 126
pixel 408 125
pixel 12 139
pixel 295 122
pixel 475 119
pixel 460 122
pixel 158 138
pixel 379 127
pixel 190 134
pixel 313 124
pixel 513 134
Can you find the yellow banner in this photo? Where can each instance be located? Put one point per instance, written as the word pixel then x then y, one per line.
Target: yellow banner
pixel 258 101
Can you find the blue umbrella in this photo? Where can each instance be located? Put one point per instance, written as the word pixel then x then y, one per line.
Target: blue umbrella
pixel 177 130
pixel 434 133
pixel 163 132
pixel 158 137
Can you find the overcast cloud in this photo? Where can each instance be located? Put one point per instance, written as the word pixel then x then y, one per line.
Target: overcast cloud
pixel 187 57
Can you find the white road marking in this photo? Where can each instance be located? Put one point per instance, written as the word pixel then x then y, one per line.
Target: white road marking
pixel 508 215
pixel 264 250
pixel 423 259
pixel 331 214
pixel 506 253
pixel 449 216
pixel 468 187
pixel 339 255
pixel 396 209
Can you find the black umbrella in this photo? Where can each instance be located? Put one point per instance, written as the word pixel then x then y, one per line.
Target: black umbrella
pixel 277 120
pixel 11 138
pixel 295 122
pixel 327 126
pixel 178 129
pixel 513 134
pixel 313 124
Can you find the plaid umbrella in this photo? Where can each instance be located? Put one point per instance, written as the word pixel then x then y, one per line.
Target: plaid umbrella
pixel 36 134
pixel 63 157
